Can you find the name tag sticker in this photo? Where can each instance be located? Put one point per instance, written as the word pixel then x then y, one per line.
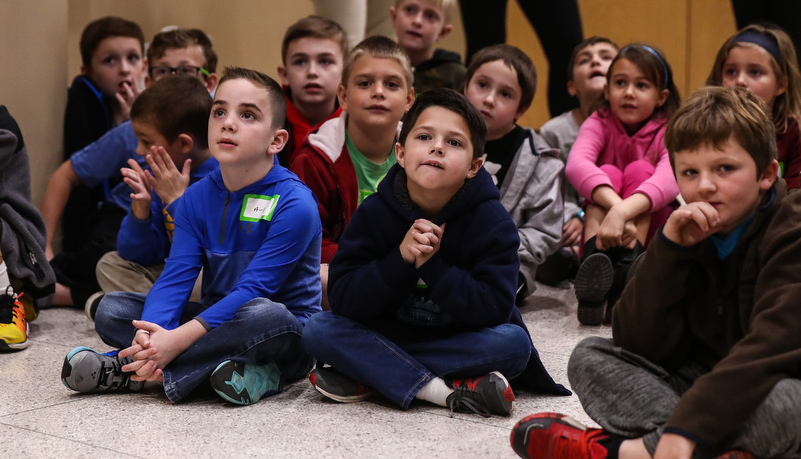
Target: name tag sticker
pixel 257 207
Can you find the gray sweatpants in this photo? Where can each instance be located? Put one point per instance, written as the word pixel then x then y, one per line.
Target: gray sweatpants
pixel 629 396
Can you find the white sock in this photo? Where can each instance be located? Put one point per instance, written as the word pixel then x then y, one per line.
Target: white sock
pixel 4 282
pixel 436 392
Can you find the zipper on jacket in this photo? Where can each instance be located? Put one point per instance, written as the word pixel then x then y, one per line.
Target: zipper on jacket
pixel 225 211
pixel 36 266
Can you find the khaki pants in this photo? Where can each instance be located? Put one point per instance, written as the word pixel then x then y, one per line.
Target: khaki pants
pixel 114 274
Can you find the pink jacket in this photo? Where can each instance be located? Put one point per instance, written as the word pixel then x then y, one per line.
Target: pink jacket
pixel 602 139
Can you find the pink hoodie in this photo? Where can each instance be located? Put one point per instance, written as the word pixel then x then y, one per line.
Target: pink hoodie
pixel 602 139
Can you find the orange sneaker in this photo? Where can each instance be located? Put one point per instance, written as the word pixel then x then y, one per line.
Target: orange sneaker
pixel 13 326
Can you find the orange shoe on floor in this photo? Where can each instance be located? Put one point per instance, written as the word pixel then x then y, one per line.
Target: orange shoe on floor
pixel 13 326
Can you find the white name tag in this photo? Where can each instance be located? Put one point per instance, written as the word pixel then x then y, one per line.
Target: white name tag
pixel 257 207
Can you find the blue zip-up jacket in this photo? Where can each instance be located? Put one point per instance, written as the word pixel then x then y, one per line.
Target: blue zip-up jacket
pixel 148 241
pixel 472 278
pixel 262 241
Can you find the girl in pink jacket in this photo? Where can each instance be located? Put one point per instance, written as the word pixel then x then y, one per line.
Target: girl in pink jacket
pixel 619 164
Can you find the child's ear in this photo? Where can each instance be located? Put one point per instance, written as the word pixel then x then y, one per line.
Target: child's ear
pixel 282 75
pixel 211 82
pixel 187 142
pixel 781 87
pixel 663 95
pixel 768 176
pixel 342 96
pixel 409 99
pixel 279 140
pixel 393 13
pixel 148 81
pixel 475 166
pixel 606 92
pixel 446 29
pixel 399 154
pixel 571 88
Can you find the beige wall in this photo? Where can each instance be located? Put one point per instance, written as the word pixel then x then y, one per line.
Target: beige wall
pixel 39 52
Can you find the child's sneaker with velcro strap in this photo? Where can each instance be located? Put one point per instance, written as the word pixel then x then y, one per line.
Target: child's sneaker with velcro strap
pixel 486 394
pixel 338 386
pixel 556 436
pixel 88 371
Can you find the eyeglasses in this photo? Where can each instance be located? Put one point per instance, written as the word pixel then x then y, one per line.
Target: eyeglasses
pixel 160 71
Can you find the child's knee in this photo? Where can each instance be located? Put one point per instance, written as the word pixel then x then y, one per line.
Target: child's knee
pixel 586 355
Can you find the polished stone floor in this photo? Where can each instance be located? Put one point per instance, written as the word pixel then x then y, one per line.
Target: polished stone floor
pixel 39 417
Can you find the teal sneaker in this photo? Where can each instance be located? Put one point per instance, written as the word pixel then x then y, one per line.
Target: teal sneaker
pixel 245 383
pixel 86 370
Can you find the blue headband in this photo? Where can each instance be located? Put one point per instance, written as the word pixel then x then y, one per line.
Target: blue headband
pixel 767 42
pixel 661 61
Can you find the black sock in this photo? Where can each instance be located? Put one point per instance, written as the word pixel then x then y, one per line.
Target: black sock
pixel 612 445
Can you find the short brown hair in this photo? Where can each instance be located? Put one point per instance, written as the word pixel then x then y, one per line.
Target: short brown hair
pixel 513 58
pixel 314 27
pixel 183 38
pixel 107 27
pixel 274 91
pixel 446 6
pixel 379 47
pixel 175 105
pixel 713 115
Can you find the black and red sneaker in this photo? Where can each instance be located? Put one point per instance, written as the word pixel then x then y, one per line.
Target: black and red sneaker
pixel 337 386
pixel 556 436
pixel 736 454
pixel 486 394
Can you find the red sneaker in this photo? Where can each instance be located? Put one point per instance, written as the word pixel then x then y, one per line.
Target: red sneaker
pixel 736 455
pixel 556 436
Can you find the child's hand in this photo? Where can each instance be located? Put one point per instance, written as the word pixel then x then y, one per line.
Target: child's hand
pixel 126 97
pixel 692 223
pixel 673 446
pixel 166 180
pixel 141 198
pixel 421 242
pixel 571 232
pixel 616 231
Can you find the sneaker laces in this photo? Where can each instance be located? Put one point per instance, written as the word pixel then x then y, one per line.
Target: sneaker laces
pixel 456 401
pixel 111 375
pixel 7 311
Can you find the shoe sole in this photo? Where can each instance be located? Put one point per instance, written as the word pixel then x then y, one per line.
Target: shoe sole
pixel 593 281
pixel 340 398
pixel 229 383
pixel 521 448
pixel 88 309
pixel 6 346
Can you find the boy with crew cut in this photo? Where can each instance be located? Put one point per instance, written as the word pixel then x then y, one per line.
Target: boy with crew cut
pixel 344 160
pixel 254 228
pixel 501 82
pixel 171 120
pixel 705 359
pixel 422 286
pixel 420 24
pixel 184 51
pixel 312 53
pixel 586 78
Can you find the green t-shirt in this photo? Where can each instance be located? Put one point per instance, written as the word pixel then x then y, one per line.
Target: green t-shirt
pixel 368 173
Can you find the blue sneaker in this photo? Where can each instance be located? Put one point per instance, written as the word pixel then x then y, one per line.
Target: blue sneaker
pixel 245 383
pixel 88 371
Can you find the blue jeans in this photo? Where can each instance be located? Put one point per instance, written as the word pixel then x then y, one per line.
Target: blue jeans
pixel 260 332
pixel 398 360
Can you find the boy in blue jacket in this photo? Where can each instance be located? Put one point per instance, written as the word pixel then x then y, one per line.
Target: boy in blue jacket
pixel 422 287
pixel 254 229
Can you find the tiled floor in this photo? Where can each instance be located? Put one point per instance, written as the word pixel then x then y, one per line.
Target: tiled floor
pixel 39 417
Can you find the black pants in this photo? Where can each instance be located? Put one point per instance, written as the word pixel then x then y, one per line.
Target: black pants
pixel 557 23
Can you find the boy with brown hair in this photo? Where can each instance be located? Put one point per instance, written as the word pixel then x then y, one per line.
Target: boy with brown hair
pixel 312 55
pixel 706 346
pixel 422 287
pixel 256 229
pixel 420 24
pixel 501 82
pixel 346 157
pixel 170 119
pixel 184 51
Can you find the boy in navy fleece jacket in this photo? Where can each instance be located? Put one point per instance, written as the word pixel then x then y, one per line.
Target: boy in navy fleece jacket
pixel 422 287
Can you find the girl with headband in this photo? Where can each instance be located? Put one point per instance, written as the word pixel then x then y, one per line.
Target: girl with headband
pixel 619 164
pixel 763 59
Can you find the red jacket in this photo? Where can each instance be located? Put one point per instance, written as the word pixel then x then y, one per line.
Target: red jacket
pixel 789 146
pixel 324 165
pixel 298 127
